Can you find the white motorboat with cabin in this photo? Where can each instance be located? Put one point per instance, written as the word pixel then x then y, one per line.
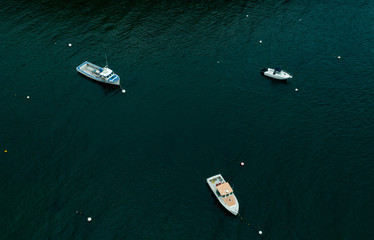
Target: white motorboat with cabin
pixel 276 73
pixel 224 193
pixel 104 75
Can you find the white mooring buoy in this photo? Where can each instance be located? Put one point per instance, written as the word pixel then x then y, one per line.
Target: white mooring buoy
pixel 89 219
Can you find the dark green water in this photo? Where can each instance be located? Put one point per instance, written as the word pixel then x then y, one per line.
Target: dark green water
pixel 195 106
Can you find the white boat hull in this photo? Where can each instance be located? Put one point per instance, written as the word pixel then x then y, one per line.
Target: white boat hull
pixel 212 181
pixel 278 75
pixel 89 70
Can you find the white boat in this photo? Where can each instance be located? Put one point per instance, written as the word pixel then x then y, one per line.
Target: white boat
pixel 224 193
pixel 104 75
pixel 276 73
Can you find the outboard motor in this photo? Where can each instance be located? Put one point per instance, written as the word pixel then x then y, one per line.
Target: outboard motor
pixel 263 71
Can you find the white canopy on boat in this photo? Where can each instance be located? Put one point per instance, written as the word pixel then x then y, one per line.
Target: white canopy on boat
pixel 106 72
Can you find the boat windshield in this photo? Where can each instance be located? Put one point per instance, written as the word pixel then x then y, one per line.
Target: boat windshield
pixel 228 195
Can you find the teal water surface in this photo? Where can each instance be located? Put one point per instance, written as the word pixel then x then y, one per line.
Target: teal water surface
pixel 195 106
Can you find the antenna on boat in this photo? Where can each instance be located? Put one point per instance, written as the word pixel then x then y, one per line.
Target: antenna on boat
pixel 106 60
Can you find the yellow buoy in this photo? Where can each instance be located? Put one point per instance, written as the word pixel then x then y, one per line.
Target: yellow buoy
pixel 5 150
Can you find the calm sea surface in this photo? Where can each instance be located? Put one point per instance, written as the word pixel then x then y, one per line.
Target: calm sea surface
pixel 196 105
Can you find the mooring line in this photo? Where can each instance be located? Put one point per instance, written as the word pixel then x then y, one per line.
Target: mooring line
pixel 123 90
pixel 89 219
pixel 241 218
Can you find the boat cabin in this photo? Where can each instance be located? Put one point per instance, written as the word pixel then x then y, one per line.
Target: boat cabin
pixel 226 193
pixel 106 73
pixel 224 189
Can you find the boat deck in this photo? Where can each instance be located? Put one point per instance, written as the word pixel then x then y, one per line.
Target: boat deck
pixel 89 67
pixel 230 200
pixel 216 180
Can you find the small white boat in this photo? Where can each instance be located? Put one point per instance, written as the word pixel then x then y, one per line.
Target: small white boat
pixel 224 193
pixel 276 73
pixel 104 75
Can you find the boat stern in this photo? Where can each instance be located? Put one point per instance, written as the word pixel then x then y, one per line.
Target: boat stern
pixel 80 66
pixel 263 71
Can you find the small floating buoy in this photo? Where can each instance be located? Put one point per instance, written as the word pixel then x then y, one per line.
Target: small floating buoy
pixel 123 90
pixel 89 219
pixel 70 45
pixel 296 89
pixel 217 61
pixel 242 163
pixel 247 16
pixel 28 97
pixel 338 57
pixel 300 20
pixel 260 41
pixel 5 151
pixel 260 232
